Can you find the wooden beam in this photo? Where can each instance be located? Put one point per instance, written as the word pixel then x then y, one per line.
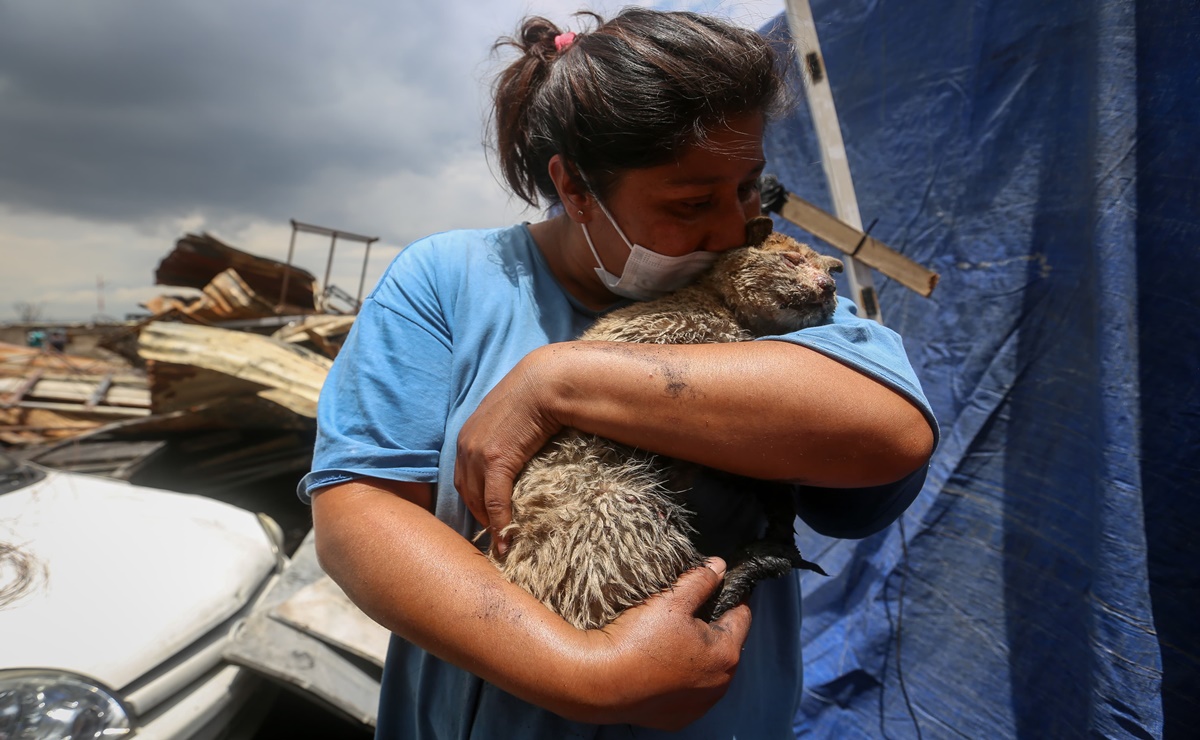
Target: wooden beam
pixel 24 387
pixel 51 387
pixel 853 242
pixel 833 149
pixel 288 375
pixel 77 408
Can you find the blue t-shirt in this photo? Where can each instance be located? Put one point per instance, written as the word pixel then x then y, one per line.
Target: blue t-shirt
pixel 451 316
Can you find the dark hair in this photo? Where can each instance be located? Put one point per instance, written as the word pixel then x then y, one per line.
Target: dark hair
pixel 628 94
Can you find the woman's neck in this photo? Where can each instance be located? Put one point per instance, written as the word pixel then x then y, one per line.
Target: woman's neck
pixel 561 242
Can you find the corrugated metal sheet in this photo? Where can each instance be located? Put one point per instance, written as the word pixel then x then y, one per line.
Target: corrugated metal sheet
pixel 199 258
pixel 287 375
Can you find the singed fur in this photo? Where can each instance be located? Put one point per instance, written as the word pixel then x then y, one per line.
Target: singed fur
pixel 597 527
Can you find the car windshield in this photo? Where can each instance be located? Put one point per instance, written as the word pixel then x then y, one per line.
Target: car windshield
pixel 14 474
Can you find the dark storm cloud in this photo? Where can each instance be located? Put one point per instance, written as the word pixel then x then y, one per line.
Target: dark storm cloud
pixel 124 123
pixel 129 110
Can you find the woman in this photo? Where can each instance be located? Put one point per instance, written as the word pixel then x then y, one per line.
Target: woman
pixel 645 137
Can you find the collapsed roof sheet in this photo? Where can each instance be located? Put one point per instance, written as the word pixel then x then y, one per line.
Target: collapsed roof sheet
pixel 198 258
pixel 245 364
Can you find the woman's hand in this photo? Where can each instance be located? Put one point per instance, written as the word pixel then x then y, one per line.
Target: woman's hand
pixel 508 428
pixel 668 667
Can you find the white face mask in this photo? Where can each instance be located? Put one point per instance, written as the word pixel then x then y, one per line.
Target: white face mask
pixel 648 275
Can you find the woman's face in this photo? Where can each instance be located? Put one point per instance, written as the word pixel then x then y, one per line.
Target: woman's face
pixel 699 202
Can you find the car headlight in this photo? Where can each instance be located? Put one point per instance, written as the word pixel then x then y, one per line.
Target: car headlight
pixel 48 705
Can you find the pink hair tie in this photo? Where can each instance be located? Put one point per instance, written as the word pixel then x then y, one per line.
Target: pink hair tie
pixel 563 40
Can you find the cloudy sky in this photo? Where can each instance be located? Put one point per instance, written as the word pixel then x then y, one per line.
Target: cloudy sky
pixel 126 123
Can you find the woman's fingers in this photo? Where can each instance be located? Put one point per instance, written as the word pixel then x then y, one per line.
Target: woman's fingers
pixel 675 665
pixel 695 587
pixel 497 505
pixel 507 429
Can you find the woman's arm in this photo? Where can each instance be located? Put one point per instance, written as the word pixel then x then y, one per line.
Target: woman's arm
pixel 769 410
pixel 656 665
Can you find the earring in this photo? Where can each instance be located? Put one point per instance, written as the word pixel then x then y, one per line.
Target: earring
pixel 581 213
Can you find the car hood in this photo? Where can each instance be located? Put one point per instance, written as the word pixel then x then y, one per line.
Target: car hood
pixel 108 580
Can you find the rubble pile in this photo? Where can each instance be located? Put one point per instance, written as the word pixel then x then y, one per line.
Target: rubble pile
pixel 215 394
pixel 241 364
pixel 47 396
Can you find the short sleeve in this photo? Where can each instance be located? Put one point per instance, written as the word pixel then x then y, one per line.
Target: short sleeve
pixel 877 352
pixel 382 410
pixel 854 513
pixel 868 347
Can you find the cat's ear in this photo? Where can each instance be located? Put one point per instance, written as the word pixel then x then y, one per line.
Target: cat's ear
pixel 758 229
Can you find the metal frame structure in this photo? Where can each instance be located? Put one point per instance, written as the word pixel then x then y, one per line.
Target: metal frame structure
pixel 334 235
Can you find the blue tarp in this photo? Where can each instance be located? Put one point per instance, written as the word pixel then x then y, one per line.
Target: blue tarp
pixel 1043 157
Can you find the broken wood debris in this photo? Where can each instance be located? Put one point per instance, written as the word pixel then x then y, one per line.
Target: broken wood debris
pixel 199 258
pixel 323 331
pixel 47 395
pixel 226 297
pixel 197 362
pixel 288 375
pixel 216 394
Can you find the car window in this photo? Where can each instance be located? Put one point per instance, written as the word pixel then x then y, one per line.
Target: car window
pixel 14 474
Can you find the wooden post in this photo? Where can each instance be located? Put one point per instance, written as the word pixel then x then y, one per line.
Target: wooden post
pixel 833 148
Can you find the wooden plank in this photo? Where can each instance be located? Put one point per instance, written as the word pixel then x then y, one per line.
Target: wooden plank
pixel 22 388
pixel 182 387
pixel 129 411
pixel 50 388
pixel 834 161
pixel 289 375
pixel 19 358
pixel 72 427
pixel 41 426
pixel 120 379
pixel 850 240
pixel 248 462
pixel 83 392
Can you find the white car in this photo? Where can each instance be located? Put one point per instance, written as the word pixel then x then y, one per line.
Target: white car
pixel 116 605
